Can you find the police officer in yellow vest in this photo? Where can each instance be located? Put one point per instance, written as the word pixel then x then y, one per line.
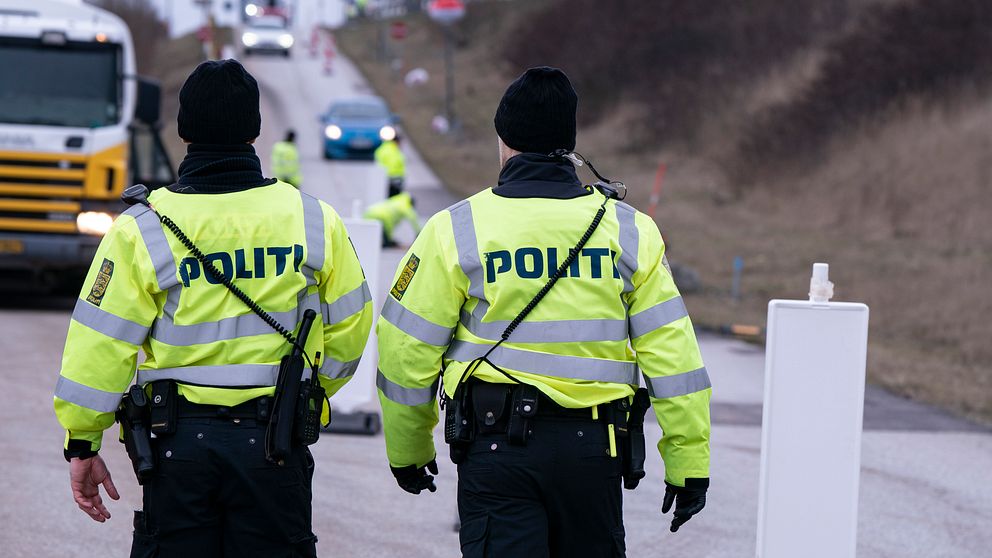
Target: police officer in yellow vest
pixel 211 362
pixel 391 159
pixel 391 212
pixel 286 160
pixel 540 413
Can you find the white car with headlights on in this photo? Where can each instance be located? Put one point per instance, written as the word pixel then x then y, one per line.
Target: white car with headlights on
pixel 267 33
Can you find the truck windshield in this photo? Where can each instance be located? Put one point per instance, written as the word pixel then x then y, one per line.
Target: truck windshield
pixel 70 85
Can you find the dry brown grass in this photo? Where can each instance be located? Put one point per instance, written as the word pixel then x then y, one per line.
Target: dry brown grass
pixel 899 206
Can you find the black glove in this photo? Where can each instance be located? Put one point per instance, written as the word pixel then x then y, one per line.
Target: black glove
pixel 689 500
pixel 414 479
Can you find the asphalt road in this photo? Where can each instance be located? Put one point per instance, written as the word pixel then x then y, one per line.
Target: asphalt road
pixel 926 489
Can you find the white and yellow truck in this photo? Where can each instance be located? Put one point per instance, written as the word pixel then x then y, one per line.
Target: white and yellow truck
pixel 76 126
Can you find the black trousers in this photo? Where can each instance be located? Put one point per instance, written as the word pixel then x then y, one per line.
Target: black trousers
pixel 213 494
pixel 558 496
pixel 394 186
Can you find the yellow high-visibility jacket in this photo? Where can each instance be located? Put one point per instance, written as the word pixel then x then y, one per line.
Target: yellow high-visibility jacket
pixel 615 316
pixel 286 250
pixel 391 211
pixel 286 162
pixel 391 158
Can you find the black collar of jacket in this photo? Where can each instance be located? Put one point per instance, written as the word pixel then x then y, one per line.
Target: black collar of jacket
pixel 531 175
pixel 219 169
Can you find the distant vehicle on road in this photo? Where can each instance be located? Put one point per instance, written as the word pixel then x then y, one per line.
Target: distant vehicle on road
pixel 353 128
pixel 267 33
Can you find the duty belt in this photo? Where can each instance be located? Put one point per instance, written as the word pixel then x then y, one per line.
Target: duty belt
pixel 258 409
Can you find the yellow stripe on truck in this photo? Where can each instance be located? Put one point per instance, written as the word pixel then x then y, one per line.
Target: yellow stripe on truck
pixel 37 225
pixel 39 206
pixel 40 191
pixel 42 173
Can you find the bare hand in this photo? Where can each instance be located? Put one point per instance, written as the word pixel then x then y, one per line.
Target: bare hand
pixel 85 478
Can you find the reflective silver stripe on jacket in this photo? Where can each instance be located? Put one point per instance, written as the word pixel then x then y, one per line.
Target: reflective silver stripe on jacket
pixel 313 225
pixel 415 326
pixel 410 397
pixel 158 248
pixel 166 331
pixel 629 240
pixel 558 331
pixel 224 375
pixel 108 324
pixel 560 366
pixel 657 316
pixel 335 369
pixel 467 244
pixel 346 305
pixel 85 396
pixel 663 387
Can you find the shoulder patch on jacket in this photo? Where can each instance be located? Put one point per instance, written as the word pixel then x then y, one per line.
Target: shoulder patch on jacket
pixel 101 283
pixel 406 276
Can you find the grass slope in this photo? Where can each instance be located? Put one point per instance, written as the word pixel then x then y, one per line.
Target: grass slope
pixel 897 203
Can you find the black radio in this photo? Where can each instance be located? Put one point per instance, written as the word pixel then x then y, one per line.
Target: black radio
pixel 459 429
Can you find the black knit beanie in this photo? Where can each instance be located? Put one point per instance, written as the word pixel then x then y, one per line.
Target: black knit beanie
pixel 537 112
pixel 218 104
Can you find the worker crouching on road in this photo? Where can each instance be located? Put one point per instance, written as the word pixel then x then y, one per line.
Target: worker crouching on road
pixel 391 212
pixel 390 158
pixel 542 410
pixel 286 160
pixel 212 362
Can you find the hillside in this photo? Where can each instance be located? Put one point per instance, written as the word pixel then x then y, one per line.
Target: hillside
pixel 849 131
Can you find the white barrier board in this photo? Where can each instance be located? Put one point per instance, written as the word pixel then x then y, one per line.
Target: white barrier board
pixel 359 394
pixel 811 429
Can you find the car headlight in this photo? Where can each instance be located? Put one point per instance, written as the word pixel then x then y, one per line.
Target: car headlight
pixel 387 133
pixel 251 10
pixel 332 132
pixel 285 40
pixel 249 39
pixel 94 222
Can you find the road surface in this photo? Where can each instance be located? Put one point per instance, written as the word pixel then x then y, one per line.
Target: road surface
pixel 926 489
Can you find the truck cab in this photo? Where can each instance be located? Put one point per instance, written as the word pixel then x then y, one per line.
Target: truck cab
pixel 76 126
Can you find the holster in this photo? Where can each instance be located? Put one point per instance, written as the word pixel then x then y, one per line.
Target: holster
pixel 134 416
pixel 631 438
pixel 280 432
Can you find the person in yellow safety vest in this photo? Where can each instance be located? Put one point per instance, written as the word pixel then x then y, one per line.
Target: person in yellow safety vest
pixel 537 418
pixel 390 157
pixel 391 212
pixel 286 160
pixel 211 363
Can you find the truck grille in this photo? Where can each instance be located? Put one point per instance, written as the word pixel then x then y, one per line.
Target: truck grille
pixel 41 194
pixel 43 178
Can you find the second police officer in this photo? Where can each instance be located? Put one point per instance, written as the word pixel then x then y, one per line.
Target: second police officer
pixel 286 160
pixel 546 389
pixel 211 362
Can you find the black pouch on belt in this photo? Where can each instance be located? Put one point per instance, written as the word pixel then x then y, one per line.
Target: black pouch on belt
pixel 489 406
pixel 164 407
pixel 523 409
